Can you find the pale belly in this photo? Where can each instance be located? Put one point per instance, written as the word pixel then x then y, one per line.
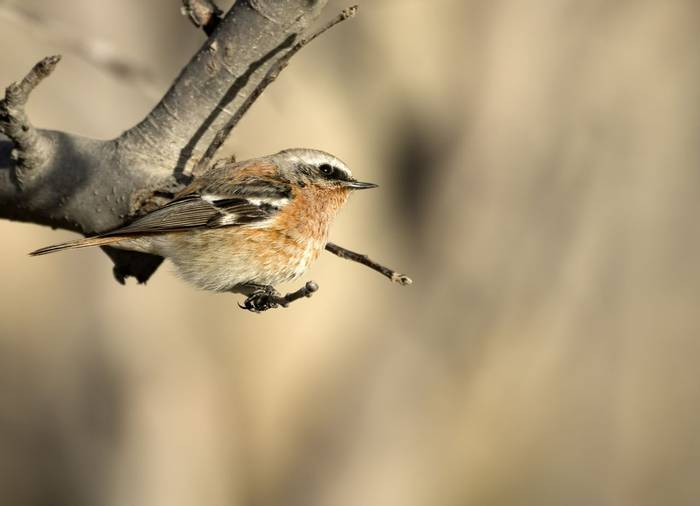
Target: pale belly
pixel 223 262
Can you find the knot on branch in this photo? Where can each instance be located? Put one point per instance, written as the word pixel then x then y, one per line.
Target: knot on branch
pixel 30 145
pixel 204 14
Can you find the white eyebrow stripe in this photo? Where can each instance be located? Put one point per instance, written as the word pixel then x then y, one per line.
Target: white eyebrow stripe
pixel 317 158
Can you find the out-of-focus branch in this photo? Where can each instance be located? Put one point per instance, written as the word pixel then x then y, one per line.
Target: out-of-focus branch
pixel 96 52
pixel 89 186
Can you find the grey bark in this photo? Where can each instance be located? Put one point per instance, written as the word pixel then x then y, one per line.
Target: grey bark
pixel 86 185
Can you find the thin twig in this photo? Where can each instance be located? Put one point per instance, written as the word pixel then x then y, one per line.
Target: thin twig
pixel 270 77
pixel 204 14
pixel 305 291
pixel 394 276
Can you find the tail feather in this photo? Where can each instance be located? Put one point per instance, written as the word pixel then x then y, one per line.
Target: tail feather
pixel 80 243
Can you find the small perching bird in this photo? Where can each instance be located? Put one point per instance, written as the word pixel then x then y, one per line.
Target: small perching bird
pixel 244 227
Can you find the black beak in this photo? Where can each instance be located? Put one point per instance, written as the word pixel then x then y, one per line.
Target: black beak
pixel 358 185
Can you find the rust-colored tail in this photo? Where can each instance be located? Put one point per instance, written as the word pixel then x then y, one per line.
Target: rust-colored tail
pixel 80 243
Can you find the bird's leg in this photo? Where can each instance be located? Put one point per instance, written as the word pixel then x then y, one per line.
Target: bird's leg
pixel 264 297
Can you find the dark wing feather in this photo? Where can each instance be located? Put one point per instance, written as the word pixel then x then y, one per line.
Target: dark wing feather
pixel 256 187
pixel 192 211
pixel 186 212
pixel 214 203
pixel 238 211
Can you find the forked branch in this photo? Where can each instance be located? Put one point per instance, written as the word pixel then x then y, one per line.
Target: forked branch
pixel 89 186
pixel 30 149
pixel 85 185
pixel 225 131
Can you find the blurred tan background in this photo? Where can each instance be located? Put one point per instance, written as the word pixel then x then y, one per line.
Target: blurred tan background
pixel 540 180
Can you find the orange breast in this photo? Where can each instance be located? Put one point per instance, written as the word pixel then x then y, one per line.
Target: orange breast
pixel 311 211
pixel 299 233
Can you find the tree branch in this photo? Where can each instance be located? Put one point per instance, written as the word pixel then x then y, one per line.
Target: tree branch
pixel 347 254
pixel 89 186
pixel 249 40
pixel 31 146
pixel 223 133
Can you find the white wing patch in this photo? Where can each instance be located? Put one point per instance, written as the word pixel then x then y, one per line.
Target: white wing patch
pixel 255 212
pixel 276 203
pixel 229 219
pixel 212 198
pixel 262 201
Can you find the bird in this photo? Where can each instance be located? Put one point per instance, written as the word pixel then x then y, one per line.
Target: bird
pixel 243 227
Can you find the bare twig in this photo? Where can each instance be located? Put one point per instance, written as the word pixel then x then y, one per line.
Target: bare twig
pixel 394 276
pixel 29 153
pixel 305 291
pixel 204 14
pixel 223 133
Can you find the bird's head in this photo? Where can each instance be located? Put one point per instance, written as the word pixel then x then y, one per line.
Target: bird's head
pixel 317 168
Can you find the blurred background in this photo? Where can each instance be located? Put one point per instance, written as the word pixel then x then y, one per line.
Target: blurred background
pixel 539 171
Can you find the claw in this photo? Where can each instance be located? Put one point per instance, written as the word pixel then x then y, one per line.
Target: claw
pixel 261 300
pixel 268 298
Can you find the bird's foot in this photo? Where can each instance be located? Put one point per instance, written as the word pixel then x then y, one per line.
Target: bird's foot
pixel 267 297
pixel 261 300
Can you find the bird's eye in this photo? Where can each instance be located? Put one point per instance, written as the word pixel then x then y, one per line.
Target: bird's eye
pixel 325 169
